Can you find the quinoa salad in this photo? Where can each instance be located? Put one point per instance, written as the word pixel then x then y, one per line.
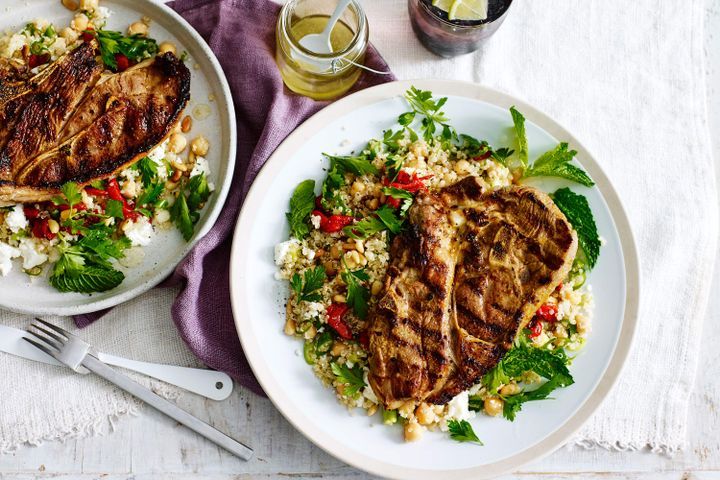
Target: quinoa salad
pixel 337 255
pixel 85 238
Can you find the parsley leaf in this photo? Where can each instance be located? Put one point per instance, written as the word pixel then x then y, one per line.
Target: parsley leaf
pixel 180 213
pixel 114 208
pixel 302 204
pixel 306 287
pixel 519 360
pixel 578 212
pixel 70 195
pixel 519 123
pixel 462 431
pixel 422 103
pixel 148 169
pixel 134 47
pixel 357 295
pixel 383 219
pixel 555 163
pixel 400 194
pixel 352 378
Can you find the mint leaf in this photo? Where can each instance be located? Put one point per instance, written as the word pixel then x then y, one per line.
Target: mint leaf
pixel 357 164
pixel 462 431
pixel 88 280
pixel 519 123
pixel 555 163
pixel 577 210
pixel 302 204
pixel 180 214
pixel 384 218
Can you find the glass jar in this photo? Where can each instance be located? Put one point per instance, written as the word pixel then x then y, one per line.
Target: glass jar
pixel 449 38
pixel 316 75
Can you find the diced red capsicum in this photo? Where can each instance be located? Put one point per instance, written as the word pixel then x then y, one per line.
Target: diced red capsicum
pixel 96 192
pixel 35 60
pixel 113 191
pixel 484 156
pixel 41 229
pixel 411 183
pixel 535 328
pixel 88 34
pixel 332 223
pixel 335 313
pixel 547 312
pixel 364 339
pixel 31 212
pixel 122 62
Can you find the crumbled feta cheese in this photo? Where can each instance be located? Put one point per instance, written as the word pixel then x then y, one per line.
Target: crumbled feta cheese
pixel 140 232
pixel 102 13
pixel 15 43
pixel 7 253
pixel 286 252
pixel 162 216
pixel 309 253
pixel 15 219
pixel 87 200
pixel 315 221
pixel 201 166
pixel 459 407
pixel 157 155
pixel 312 310
pixel 29 252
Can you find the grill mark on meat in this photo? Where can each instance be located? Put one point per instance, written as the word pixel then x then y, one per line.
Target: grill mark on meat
pixel 456 297
pixel 86 130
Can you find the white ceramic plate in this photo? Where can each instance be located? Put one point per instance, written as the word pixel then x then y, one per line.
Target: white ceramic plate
pixel 257 298
pixel 21 293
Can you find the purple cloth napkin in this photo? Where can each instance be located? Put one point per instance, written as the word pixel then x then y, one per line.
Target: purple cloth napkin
pixel 241 33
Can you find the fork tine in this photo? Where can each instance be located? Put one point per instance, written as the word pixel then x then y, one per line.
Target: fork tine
pixel 41 347
pixel 59 330
pixel 52 343
pixel 49 333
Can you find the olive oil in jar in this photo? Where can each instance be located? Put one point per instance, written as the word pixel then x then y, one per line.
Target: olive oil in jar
pixel 320 76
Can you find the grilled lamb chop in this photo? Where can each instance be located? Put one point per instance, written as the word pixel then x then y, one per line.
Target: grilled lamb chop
pixel 67 125
pixel 502 255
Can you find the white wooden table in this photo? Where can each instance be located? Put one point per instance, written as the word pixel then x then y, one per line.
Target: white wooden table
pixel 152 446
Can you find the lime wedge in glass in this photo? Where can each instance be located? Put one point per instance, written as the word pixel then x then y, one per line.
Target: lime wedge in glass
pixel 443 4
pixel 474 10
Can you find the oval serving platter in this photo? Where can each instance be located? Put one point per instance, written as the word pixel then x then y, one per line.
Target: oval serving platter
pixel 258 299
pixel 22 293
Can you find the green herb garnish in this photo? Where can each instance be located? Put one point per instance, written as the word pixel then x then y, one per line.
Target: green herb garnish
pixel 357 295
pixel 519 124
pixel 462 431
pixel 352 378
pixel 578 212
pixel 384 218
pixel 555 163
pixel 302 204
pixel 433 118
pixel 134 47
pixel 191 198
pixel 306 287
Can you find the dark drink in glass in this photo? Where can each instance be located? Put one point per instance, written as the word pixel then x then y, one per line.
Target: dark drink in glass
pixel 444 32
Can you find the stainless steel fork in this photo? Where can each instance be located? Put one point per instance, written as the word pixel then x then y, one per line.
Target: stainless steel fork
pixel 82 357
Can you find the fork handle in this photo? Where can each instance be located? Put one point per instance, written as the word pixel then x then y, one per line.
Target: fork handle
pixel 166 407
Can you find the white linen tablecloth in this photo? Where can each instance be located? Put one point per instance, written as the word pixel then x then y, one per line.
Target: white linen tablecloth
pixel 628 79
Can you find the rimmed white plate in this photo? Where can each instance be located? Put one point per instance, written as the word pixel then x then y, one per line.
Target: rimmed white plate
pixel 208 88
pixel 257 298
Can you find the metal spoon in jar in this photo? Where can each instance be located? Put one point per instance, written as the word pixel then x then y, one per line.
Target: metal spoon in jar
pixel 320 42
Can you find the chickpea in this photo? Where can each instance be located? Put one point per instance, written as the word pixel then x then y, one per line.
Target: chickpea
pixel 310 332
pixel 413 431
pixel 53 226
pixel 69 35
pixel 373 204
pixel 337 349
pixel 329 268
pixel 376 287
pixel 424 414
pixel 493 406
pixel 138 28
pixel 290 327
pixel 90 5
pixel 359 246
pixel 80 22
pixel 186 124
pixel 357 187
pixel 509 389
pixel 339 298
pixel 165 47
pixel 336 251
pixel 200 146
pixel 177 143
pixel 462 166
pixel 71 5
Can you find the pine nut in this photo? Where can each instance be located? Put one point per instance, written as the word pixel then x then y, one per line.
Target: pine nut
pixel 176 175
pixel 290 327
pixel 376 287
pixel 70 4
pixel 186 124
pixel 339 298
pixel 53 226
